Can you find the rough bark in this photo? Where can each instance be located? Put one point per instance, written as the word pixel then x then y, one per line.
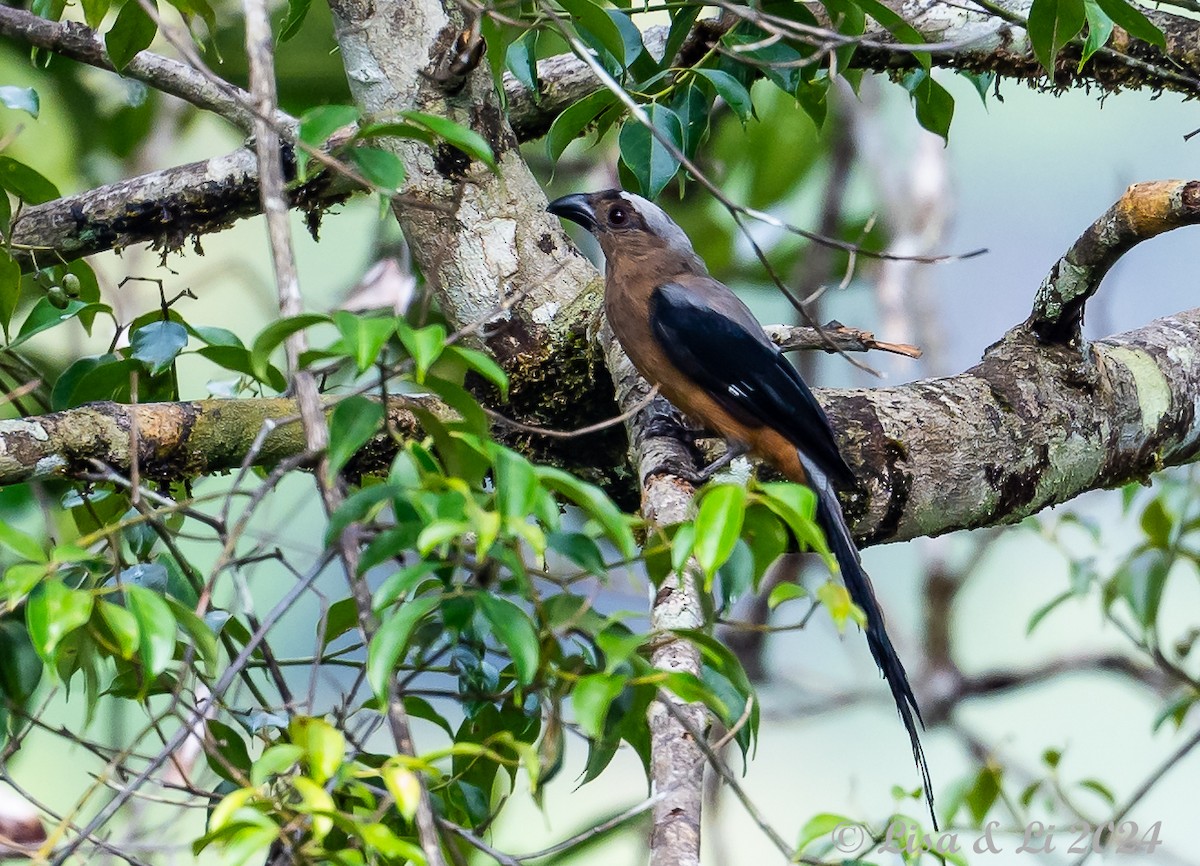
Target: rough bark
pixel 175 441
pixel 494 258
pixel 166 209
pixel 676 760
pixel 990 37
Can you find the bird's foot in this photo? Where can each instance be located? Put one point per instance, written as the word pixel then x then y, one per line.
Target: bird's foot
pixel 665 421
pixel 697 477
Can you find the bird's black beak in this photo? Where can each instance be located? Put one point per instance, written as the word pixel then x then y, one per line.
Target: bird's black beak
pixel 576 208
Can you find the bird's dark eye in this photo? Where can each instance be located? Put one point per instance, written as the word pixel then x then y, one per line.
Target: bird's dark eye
pixel 618 216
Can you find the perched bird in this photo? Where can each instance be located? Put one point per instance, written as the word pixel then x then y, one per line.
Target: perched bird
pixel 694 338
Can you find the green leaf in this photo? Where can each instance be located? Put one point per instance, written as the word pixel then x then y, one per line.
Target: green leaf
pixel 274 761
pixel 317 124
pixel 1052 24
pixel 631 36
pixel 981 81
pixel 571 123
pixel 122 627
pixel 25 183
pixel 648 159
pixel 20 668
pixel 1157 523
pixel 214 336
pixel 231 761
pixel 1175 710
pixel 294 20
pixel 364 336
pixel 934 104
pixel 482 364
pixel 521 61
pixel 404 786
pixel 439 532
pixel 693 108
pixel 425 345
pixel 354 421
pixel 580 549
pixel 682 19
pixel 1045 610
pixel 133 31
pixel 356 507
pixel 94 12
pixel 785 592
pixel 394 129
pixel 735 94
pixel 840 606
pixel 596 27
pixel 391 640
pixel 1099 788
pixel 324 746
pixel 402 582
pixel 1141 582
pixel 796 506
pixel 53 613
pixel 690 688
pixel 467 140
pixel 1099 26
pixel 516 631
pixel 591 698
pixel 897 26
pixel 736 574
pixel 516 483
pixel 594 503
pixel 718 525
pixel 156 625
pixel 1133 21
pixel 22 545
pixel 19 580
pixel 20 99
pixel 382 168
pixel 318 803
pixel 45 316
pixel 274 334
pixel 158 344
pixel 983 792
pixel 204 639
pixel 818 826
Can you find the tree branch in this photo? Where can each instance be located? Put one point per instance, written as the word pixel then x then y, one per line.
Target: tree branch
pixel 167 208
pixel 986 36
pixel 81 43
pixel 175 440
pixel 676 761
pixel 204 197
pixel 1144 211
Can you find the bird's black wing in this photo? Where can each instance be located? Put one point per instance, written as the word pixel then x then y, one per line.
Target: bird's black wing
pixel 715 340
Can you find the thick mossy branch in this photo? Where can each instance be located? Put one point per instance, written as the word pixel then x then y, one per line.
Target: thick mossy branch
pixel 1144 211
pixel 174 440
pixel 168 209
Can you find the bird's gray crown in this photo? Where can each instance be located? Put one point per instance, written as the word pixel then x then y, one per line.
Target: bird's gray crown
pixel 658 223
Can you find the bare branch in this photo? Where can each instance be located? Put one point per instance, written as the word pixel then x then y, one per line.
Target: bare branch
pixel 842 338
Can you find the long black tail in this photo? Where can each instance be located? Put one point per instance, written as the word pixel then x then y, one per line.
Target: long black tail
pixel 858 585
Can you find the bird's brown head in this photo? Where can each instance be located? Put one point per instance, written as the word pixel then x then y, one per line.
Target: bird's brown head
pixel 631 229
